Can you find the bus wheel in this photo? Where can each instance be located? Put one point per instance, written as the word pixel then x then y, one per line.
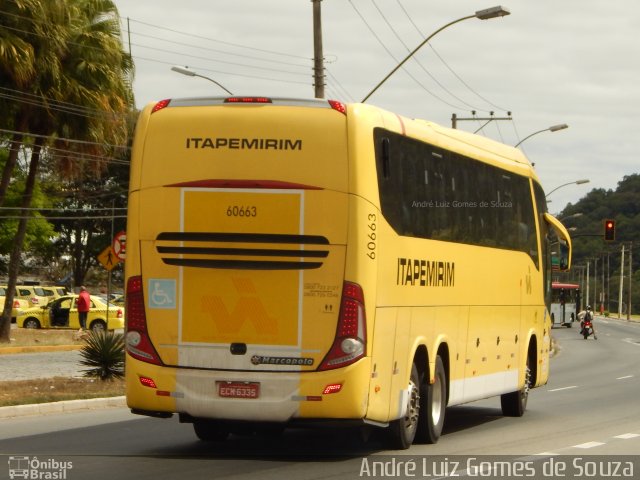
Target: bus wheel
pixel 434 405
pixel 515 403
pixel 210 430
pixel 403 430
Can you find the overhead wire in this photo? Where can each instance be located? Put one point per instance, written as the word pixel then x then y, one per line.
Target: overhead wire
pixel 390 53
pixel 272 52
pixel 417 60
pixel 446 64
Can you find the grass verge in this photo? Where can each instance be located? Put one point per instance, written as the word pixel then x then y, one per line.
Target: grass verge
pixel 40 337
pixel 56 389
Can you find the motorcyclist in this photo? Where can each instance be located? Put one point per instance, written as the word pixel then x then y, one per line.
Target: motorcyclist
pixel 584 316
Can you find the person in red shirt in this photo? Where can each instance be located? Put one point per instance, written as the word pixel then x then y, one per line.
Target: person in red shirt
pixel 84 303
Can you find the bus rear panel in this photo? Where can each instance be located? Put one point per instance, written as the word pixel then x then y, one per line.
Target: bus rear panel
pixel 236 269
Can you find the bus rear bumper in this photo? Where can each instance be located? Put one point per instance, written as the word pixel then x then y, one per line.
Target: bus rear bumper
pixel 248 395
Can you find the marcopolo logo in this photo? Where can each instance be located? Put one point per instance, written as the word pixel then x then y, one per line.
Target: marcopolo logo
pixel 263 360
pixel 36 469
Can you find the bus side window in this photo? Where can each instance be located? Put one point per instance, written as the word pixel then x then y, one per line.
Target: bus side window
pixel 386 157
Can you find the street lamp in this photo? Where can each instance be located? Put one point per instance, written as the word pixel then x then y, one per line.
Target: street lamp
pixel 553 128
pixel 485 14
pixel 575 215
pixel 191 73
pixel 577 182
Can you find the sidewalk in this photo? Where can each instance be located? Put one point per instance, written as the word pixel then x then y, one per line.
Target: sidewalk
pixel 61 407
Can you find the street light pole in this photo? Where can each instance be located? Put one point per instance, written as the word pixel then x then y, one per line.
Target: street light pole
pixel 191 73
pixel 577 182
pixel 485 14
pixel 553 128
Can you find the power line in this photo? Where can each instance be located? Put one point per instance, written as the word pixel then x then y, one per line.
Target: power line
pixel 56 105
pixel 200 47
pixel 445 63
pixel 397 61
pixel 237 45
pixel 64 209
pixel 209 70
pixel 82 142
pixel 416 60
pixel 197 57
pixel 31 217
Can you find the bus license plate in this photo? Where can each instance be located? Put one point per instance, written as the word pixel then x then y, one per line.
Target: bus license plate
pixel 238 389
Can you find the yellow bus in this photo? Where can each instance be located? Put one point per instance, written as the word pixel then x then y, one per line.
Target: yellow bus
pixel 306 262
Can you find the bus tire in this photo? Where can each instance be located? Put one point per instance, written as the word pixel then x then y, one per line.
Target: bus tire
pixel 210 430
pixel 433 405
pixel 402 431
pixel 514 404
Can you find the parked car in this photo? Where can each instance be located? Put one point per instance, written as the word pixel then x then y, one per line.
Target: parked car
pixel 63 313
pixel 34 294
pixel 18 304
pixel 118 300
pixel 54 292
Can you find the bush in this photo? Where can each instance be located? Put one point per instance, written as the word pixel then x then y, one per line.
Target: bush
pixel 103 352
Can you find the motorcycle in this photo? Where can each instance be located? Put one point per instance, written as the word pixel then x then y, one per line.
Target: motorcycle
pixel 587 329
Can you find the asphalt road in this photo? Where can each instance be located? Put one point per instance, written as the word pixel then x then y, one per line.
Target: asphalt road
pixel 590 407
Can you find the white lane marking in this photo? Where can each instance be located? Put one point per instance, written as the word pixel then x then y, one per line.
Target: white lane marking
pixel 631 341
pixel 625 377
pixel 588 445
pixel 624 436
pixel 563 388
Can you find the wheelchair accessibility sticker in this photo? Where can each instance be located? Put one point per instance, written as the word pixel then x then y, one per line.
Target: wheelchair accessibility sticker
pixel 162 293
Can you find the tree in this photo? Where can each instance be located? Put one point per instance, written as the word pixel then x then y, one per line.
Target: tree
pixel 85 66
pixel 622 205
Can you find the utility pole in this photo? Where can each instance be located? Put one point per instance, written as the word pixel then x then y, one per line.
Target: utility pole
pixel 621 283
pixel 595 286
pixel 318 56
pixel 588 261
pixel 629 302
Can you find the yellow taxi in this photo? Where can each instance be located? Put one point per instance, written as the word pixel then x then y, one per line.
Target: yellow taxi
pixel 63 313
pixel 54 292
pixel 34 294
pixel 18 304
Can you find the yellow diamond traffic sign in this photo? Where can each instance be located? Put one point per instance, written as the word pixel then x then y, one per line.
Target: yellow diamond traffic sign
pixel 108 258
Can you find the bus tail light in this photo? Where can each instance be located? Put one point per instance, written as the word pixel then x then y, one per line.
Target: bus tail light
pixel 160 105
pixel 350 341
pixel 332 388
pixel 138 343
pixel 338 106
pixel 248 100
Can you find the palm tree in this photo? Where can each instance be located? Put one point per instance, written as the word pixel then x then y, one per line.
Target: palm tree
pixel 86 67
pixel 31 40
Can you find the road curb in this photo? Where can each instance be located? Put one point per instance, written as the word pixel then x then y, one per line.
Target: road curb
pixel 61 407
pixel 38 349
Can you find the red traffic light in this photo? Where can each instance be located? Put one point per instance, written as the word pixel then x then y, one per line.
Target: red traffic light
pixel 609 230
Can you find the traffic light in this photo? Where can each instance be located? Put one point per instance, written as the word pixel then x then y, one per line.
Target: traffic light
pixel 609 230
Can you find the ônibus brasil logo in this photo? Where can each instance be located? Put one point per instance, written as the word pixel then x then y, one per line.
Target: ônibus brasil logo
pixel 35 469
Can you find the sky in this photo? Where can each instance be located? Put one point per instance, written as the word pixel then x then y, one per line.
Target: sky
pixel 549 62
